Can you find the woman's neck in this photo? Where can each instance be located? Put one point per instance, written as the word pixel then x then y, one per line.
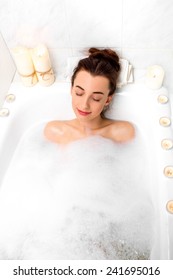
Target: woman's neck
pixel 90 125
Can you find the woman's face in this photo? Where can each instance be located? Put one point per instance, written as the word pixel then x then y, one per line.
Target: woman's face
pixel 89 95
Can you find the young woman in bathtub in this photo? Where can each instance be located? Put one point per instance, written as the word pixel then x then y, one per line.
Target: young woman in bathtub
pixel 87 200
pixel 93 85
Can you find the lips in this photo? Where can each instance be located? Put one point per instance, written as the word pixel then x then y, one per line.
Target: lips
pixel 83 113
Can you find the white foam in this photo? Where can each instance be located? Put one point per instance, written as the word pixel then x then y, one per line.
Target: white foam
pixel 87 200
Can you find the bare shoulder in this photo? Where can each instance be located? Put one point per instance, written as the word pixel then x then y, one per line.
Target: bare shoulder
pixel 122 131
pixel 53 130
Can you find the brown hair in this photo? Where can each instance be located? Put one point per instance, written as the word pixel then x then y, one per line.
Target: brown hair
pixel 100 63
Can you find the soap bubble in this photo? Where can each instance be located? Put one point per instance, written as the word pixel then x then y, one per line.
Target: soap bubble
pixel 85 200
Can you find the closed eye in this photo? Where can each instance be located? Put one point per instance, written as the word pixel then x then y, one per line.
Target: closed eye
pixel 79 94
pixel 97 100
pixel 97 97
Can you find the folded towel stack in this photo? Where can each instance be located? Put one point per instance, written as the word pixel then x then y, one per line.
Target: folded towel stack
pixel 126 73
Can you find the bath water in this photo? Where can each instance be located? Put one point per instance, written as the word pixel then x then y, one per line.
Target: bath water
pixel 85 200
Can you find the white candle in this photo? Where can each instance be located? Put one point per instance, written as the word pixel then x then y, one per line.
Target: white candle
pixel 24 65
pixel 42 65
pixel 154 77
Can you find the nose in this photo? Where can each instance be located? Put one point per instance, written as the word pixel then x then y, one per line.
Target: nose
pixel 85 104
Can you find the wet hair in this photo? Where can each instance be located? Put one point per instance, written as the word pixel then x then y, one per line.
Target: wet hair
pixel 103 63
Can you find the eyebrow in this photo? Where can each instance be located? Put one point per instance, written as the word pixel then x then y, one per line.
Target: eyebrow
pixel 95 92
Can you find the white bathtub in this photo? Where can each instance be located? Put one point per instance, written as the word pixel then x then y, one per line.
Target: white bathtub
pixel 135 103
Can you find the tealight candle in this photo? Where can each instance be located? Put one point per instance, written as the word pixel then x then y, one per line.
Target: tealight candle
pixel 42 64
pixel 154 77
pixel 162 99
pixel 167 144
pixel 164 121
pixel 169 206
pixel 24 65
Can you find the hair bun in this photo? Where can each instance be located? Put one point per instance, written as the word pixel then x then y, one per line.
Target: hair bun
pixel 106 54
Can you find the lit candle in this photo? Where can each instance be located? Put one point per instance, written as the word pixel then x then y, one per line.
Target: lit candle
pixel 24 65
pixel 154 77
pixel 42 64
